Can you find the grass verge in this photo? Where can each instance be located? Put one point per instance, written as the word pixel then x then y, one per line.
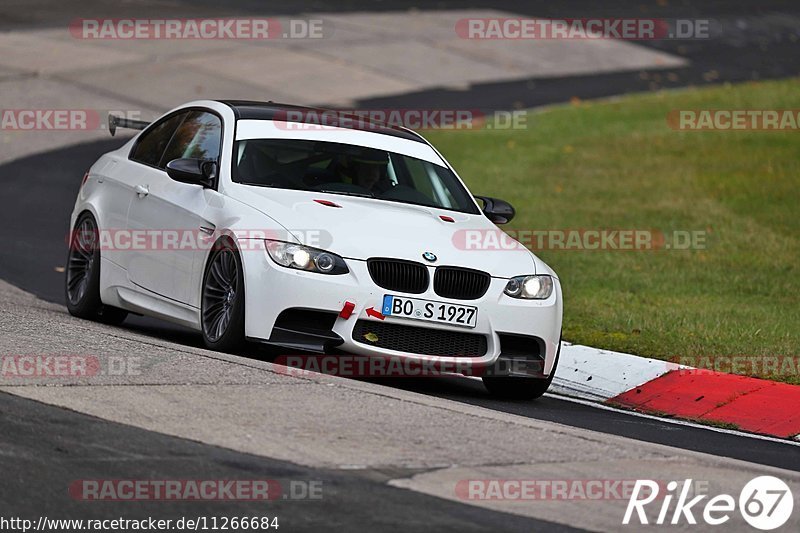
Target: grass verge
pixel 618 165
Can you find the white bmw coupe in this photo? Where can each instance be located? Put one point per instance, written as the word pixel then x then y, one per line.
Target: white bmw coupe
pixel 250 221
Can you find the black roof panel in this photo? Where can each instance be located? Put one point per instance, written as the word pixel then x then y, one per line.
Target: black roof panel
pixel 251 110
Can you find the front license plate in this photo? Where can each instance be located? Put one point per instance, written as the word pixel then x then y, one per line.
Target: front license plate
pixel 427 310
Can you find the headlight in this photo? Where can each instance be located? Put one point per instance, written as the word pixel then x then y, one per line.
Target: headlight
pixel 301 257
pixel 530 287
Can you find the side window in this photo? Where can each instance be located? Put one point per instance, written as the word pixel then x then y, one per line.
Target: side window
pixel 198 137
pixel 151 145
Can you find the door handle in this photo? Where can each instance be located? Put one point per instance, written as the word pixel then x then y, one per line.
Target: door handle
pixel 142 190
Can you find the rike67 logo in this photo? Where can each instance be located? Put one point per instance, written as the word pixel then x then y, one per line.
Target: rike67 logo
pixel 765 503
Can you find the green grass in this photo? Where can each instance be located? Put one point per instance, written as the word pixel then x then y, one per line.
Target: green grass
pixel 617 164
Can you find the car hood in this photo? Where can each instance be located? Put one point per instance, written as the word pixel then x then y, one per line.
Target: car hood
pixel 362 228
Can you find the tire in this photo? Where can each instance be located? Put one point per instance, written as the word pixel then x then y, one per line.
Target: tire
pixel 82 275
pixel 516 388
pixel 222 299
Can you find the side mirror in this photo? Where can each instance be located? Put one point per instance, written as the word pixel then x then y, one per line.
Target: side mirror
pixel 193 171
pixel 497 210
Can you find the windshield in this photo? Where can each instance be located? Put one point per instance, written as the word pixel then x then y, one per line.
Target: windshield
pixel 348 170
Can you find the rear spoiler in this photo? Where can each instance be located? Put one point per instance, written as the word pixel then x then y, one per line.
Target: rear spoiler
pixel 114 122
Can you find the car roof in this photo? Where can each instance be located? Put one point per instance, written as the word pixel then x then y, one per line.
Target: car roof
pixel 253 110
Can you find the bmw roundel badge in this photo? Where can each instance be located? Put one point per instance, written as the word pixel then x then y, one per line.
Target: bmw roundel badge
pixel 429 256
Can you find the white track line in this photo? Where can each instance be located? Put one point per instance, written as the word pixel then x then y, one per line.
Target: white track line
pixel 674 421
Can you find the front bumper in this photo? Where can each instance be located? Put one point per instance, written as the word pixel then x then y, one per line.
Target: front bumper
pixel 272 289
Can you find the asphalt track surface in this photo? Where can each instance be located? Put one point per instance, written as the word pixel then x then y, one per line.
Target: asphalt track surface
pixel 44 446
pixel 39 192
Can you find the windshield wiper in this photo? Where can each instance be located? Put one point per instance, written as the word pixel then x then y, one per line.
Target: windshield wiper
pixel 349 193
